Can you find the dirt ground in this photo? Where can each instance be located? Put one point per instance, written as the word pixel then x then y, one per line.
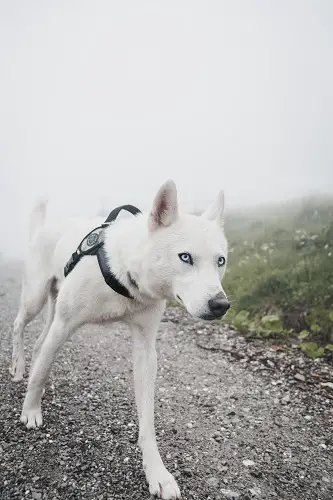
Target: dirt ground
pixel 234 419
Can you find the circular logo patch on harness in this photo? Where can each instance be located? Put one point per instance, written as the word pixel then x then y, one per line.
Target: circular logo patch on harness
pixel 92 239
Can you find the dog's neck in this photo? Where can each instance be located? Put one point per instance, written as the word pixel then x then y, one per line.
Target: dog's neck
pixel 125 241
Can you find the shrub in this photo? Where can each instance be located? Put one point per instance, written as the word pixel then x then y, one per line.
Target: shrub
pixel 281 266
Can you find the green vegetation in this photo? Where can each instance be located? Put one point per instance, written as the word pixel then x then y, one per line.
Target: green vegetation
pixel 280 273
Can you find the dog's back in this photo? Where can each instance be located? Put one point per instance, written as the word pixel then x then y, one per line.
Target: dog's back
pixel 52 244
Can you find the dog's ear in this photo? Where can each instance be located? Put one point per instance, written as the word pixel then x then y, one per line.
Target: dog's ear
pixel 216 210
pixel 165 207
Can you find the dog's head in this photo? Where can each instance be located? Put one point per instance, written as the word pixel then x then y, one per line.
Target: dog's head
pixel 186 255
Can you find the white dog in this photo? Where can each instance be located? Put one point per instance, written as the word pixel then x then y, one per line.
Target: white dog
pixel 158 256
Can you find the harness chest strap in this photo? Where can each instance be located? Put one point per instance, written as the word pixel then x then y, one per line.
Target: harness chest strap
pixel 93 244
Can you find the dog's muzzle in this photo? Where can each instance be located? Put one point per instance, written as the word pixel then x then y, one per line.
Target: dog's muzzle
pixel 218 307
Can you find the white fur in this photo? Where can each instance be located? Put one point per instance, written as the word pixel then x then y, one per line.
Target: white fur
pixel 146 246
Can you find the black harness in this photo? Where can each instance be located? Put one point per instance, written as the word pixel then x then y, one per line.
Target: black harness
pixel 93 244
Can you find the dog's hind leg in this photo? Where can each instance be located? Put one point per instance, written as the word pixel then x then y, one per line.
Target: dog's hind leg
pixel 51 303
pixel 32 301
pixel 35 287
pixel 58 334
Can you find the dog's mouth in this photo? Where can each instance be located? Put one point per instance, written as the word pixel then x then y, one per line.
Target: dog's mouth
pixel 210 317
pixel 206 316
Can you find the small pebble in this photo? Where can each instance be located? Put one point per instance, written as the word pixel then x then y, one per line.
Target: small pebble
pixel 213 481
pixel 229 494
pixel 248 463
pixel 286 399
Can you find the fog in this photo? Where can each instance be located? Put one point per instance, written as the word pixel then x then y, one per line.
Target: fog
pixel 102 101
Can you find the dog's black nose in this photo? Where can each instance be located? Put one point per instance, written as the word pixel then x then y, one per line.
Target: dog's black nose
pixel 218 306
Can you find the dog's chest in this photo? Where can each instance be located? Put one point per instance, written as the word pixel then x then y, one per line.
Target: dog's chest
pixel 112 309
pixel 109 306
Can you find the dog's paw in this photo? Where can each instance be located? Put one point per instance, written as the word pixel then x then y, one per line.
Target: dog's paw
pixel 162 484
pixel 17 371
pixel 32 417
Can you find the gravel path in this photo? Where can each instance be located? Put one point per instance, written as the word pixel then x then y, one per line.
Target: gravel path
pixel 234 419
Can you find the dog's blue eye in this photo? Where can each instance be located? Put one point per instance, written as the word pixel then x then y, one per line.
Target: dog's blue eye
pixel 186 257
pixel 221 261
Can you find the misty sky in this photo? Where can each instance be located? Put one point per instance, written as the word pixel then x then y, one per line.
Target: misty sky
pixel 107 99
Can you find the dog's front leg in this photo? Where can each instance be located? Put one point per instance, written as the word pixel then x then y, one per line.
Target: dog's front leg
pixel 31 412
pixel 161 482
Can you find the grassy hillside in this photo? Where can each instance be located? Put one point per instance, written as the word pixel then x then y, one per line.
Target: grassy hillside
pixel 280 272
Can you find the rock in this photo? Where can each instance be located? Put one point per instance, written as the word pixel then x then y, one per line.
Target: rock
pixel 187 472
pixel 255 492
pixel 36 495
pixel 327 384
pixel 299 377
pixel 286 399
pixel 213 481
pixel 229 494
pixel 248 463
pixel 256 473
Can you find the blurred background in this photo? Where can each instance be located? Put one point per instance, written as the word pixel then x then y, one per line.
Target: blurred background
pixel 102 101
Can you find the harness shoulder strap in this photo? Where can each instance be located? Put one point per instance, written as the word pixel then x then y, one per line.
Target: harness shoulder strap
pixel 115 212
pixel 93 244
pixel 109 278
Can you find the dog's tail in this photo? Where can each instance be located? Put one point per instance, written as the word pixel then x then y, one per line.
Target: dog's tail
pixel 37 216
